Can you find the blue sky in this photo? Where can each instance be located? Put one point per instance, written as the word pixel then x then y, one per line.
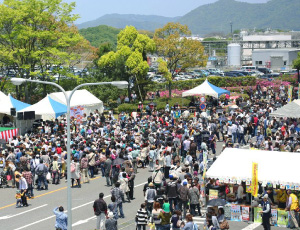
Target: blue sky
pixel 93 9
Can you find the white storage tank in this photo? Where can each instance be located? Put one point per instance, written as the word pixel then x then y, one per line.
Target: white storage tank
pixel 234 54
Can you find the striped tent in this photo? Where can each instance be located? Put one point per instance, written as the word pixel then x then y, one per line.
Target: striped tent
pixel 8 133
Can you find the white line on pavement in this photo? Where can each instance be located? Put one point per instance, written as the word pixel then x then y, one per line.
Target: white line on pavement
pixel 252 226
pixel 83 221
pixel 11 216
pixel 80 206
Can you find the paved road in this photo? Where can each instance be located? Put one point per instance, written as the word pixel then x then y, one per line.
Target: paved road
pixel 39 214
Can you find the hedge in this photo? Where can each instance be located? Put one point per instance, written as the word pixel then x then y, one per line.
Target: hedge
pixel 160 104
pixel 215 80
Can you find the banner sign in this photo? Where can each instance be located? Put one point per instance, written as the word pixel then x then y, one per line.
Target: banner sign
pixel 254 182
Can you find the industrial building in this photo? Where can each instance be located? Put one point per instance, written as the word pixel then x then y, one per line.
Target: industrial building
pixel 276 59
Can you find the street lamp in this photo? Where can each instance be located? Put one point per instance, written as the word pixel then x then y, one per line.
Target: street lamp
pixel 119 84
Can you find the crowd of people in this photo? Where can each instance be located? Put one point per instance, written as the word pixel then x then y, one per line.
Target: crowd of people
pixel 171 143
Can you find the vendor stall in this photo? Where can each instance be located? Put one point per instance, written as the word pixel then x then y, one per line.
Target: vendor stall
pixel 206 88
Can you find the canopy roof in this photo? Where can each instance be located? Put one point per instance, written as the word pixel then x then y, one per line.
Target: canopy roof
pixel 8 102
pixel 48 108
pixel 79 98
pixel 291 110
pixel 206 88
pixel 273 167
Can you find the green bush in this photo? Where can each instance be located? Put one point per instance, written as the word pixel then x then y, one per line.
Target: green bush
pixel 128 108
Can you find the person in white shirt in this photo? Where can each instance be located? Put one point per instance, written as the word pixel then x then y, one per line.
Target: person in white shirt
pixel 240 193
pixel 23 186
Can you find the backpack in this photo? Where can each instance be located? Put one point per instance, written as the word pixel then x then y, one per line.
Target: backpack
pixel 72 167
pixel 39 172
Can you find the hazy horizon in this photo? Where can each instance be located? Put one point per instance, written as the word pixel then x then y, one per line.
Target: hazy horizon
pixel 92 9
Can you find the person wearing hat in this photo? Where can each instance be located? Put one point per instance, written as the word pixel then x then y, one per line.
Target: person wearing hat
pixel 293 208
pixel 111 223
pixel 150 198
pixel 157 177
pixel 183 197
pixel 266 212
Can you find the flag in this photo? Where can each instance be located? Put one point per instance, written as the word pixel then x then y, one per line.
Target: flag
pixel 290 94
pixel 254 182
pixel 8 134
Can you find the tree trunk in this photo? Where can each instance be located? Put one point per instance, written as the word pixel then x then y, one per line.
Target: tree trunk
pixel 298 75
pixel 17 92
pixel 27 99
pixel 170 89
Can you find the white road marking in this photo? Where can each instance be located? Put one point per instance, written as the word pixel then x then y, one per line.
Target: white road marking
pixel 11 216
pixel 252 226
pixel 83 221
pixel 80 206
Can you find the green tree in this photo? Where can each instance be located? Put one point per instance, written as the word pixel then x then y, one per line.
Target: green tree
pixel 296 65
pixel 179 51
pixel 129 61
pixel 36 35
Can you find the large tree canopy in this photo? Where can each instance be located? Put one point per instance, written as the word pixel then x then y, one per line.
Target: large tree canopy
pixel 179 51
pixel 129 61
pixel 36 35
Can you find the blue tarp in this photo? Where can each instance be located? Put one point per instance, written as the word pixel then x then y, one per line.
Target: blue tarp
pixel 18 104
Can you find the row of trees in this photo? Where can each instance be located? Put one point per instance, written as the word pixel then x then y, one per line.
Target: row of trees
pixel 38 40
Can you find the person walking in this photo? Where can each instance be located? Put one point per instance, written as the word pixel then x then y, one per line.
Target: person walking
pixel 55 171
pixel 61 221
pixel 131 183
pixel 23 189
pixel 119 195
pixel 100 211
pixel 41 171
pixel 75 172
pixel 107 171
pixel 150 197
pixel 183 197
pixel 84 168
pixel 194 196
pixel 141 218
pixel 292 206
pixel 92 162
pixel 266 212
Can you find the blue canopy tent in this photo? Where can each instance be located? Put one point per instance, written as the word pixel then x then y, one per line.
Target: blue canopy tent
pixel 206 88
pixel 8 102
pixel 47 108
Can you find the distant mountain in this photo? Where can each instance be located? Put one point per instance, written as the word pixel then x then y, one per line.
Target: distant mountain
pixel 141 22
pixel 100 34
pixel 216 17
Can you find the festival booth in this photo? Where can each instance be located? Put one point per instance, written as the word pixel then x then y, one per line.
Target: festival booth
pixel 7 103
pixel 206 89
pixel 80 99
pixel 290 110
pixel 275 169
pixel 47 108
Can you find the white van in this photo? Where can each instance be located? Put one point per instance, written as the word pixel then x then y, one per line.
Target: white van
pixel 250 67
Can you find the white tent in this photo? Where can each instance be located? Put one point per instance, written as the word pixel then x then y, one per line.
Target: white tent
pixel 206 88
pixel 289 110
pixel 273 167
pixel 8 102
pixel 48 108
pixel 80 98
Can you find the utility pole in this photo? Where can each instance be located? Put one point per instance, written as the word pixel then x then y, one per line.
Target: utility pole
pixel 231 28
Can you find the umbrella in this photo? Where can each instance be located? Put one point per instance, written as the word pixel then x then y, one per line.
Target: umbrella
pixel 118 161
pixel 216 202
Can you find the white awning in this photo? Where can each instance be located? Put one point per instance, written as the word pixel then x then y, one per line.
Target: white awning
pixel 273 167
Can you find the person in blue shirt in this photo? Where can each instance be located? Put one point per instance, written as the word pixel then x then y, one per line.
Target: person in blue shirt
pixel 61 221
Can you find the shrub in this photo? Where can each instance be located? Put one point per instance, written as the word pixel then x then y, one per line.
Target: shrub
pixel 128 108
